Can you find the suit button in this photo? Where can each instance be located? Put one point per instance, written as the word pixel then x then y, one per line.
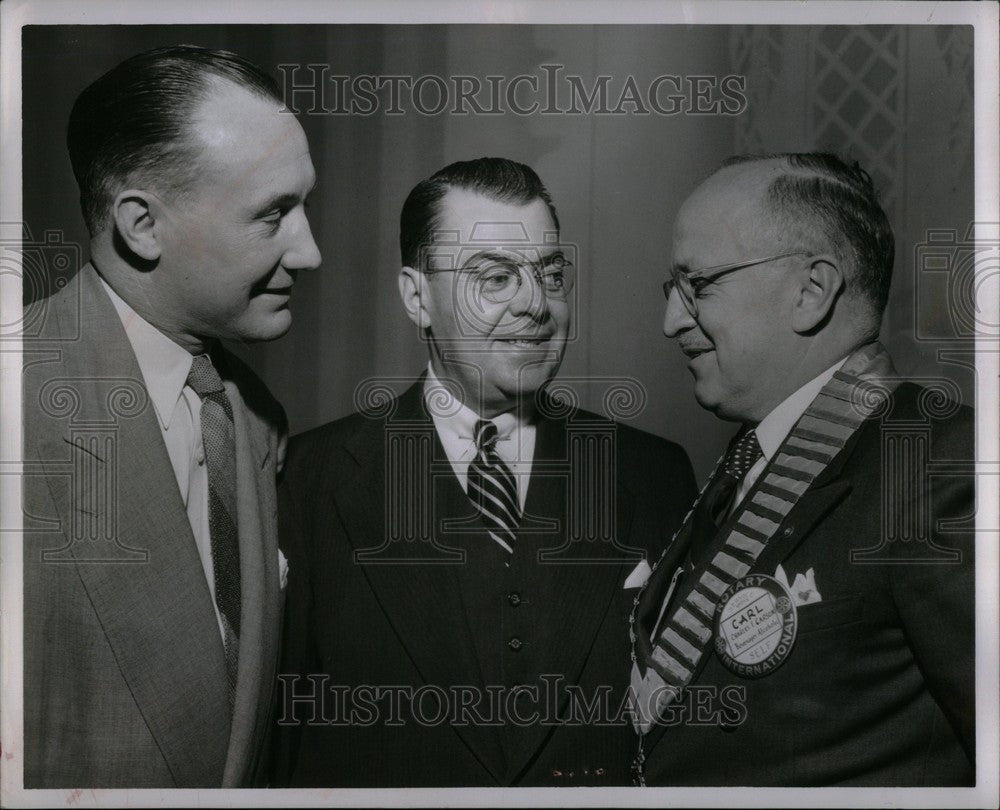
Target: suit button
pixel 514 598
pixel 515 643
pixel 787 531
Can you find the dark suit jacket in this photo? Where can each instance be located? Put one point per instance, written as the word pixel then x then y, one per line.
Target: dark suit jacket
pixel 879 686
pixel 124 670
pixel 416 617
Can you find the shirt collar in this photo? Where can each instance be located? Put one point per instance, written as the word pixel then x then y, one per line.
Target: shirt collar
pixel 773 429
pixel 454 419
pixel 164 364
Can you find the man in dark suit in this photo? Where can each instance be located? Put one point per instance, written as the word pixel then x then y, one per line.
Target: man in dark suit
pixel 151 564
pixel 812 622
pixel 464 555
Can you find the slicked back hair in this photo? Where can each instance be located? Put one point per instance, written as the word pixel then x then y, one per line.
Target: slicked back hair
pixel 821 192
pixel 130 126
pixel 497 178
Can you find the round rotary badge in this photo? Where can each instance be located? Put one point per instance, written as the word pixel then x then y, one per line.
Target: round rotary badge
pixel 755 625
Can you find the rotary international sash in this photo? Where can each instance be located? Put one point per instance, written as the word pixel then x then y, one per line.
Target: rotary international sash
pixel 856 391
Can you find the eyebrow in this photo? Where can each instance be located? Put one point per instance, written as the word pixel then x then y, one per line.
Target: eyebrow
pixel 286 200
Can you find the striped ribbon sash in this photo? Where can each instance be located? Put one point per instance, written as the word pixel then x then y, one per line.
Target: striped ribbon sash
pixel 854 393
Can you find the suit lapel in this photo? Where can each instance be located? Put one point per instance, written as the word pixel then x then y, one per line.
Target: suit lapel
pixel 654 592
pixel 415 583
pixel 157 612
pixel 256 503
pixel 652 599
pixel 825 493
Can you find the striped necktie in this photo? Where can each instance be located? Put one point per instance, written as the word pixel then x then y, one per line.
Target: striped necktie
pixel 492 488
pixel 218 438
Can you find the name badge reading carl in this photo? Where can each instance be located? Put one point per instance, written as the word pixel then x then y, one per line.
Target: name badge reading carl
pixel 755 625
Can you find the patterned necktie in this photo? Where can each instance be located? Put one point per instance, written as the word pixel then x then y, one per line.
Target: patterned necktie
pixel 714 504
pixel 742 454
pixel 219 443
pixel 492 488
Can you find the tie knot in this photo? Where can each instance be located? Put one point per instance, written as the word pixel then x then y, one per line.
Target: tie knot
pixel 486 434
pixel 203 378
pixel 742 455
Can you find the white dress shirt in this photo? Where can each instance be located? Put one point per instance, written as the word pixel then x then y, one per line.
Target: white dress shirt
pixel 773 429
pixel 455 424
pixel 165 367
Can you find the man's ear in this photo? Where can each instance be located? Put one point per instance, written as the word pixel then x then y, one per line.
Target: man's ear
pixel 412 286
pixel 136 214
pixel 820 283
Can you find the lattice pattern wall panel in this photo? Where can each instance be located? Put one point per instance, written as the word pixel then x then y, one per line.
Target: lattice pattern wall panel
pixel 831 88
pixel 858 100
pixel 758 51
pixel 955 48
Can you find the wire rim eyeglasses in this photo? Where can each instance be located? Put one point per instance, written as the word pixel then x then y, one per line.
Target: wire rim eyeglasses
pixel 683 280
pixel 498 278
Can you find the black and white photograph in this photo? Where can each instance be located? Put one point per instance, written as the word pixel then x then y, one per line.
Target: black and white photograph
pixel 500 404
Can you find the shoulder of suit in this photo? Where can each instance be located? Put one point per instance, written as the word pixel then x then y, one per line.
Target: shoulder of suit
pixel 635 444
pixel 934 405
pixel 331 437
pixel 916 410
pixel 911 398
pixel 46 318
pixel 256 395
pixel 340 428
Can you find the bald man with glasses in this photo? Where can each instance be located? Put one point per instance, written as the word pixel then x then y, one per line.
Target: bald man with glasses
pixel 821 592
pixel 472 544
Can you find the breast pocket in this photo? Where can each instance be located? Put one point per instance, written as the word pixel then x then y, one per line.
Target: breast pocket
pixel 830 613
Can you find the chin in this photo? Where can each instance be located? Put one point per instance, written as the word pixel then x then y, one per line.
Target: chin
pixel 266 329
pixel 709 400
pixel 512 392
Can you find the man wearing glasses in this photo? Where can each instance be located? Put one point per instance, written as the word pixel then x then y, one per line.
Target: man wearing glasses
pixel 823 587
pixel 471 543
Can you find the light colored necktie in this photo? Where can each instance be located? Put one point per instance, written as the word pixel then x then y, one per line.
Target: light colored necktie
pixel 492 488
pixel 218 437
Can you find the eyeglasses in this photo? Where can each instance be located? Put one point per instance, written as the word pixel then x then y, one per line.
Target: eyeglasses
pixel 684 280
pixel 497 277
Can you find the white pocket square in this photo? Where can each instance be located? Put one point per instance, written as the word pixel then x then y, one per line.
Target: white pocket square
pixel 282 570
pixel 803 588
pixel 638 576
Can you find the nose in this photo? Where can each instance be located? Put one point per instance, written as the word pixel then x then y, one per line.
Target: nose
pixel 676 319
pixel 530 297
pixel 302 253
